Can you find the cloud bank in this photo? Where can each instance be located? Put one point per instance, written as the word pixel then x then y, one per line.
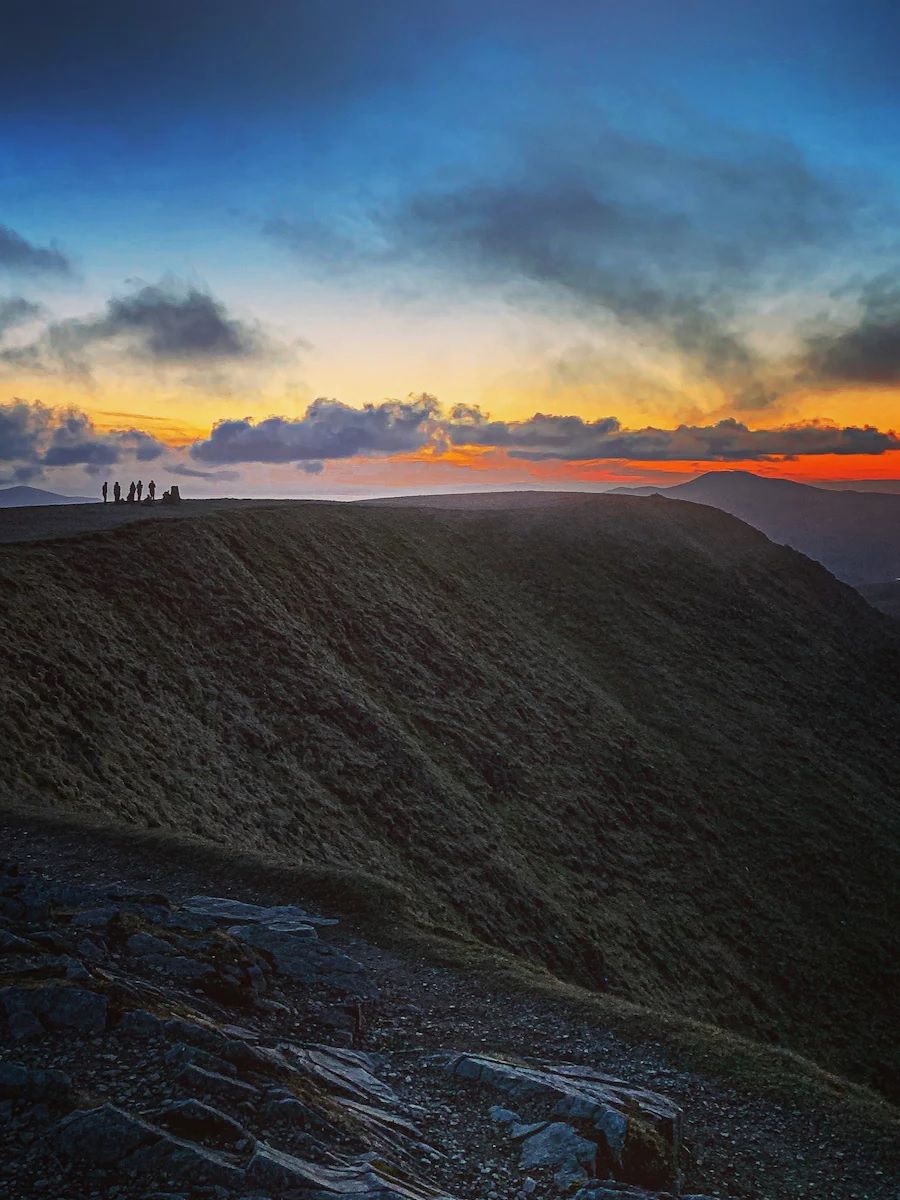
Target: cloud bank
pixel 329 429
pixel 34 436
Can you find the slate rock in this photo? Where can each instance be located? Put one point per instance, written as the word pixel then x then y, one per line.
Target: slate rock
pixel 140 1023
pixel 176 966
pixel 198 1121
pixel 579 1094
pixel 147 943
pixel 11 944
pixel 107 1136
pixel 308 960
pixel 279 915
pixel 211 1083
pixel 503 1116
pixel 21 1082
pixel 370 1179
pixel 181 1053
pixel 58 1007
pixel 558 1145
pixel 101 1136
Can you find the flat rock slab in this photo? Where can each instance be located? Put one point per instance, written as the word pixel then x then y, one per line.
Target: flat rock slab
pixel 284 916
pixel 347 1073
pixel 110 1137
pixel 307 960
pixel 375 1180
pixel 578 1093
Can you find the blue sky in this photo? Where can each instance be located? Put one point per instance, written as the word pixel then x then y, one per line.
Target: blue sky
pixel 668 215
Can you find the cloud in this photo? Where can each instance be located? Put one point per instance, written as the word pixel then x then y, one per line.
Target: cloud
pixel 867 352
pixel 329 429
pixel 166 322
pixel 36 435
pixel 169 323
pixel 675 242
pixel 21 257
pixel 195 473
pixel 573 439
pixel 22 425
pixel 16 310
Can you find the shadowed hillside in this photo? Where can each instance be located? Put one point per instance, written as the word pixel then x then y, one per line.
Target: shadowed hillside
pixel 630 739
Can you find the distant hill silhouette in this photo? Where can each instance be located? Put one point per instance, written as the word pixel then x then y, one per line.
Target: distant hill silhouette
pixel 856 535
pixel 629 740
pixel 22 496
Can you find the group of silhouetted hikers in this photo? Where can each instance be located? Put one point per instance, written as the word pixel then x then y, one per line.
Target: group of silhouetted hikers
pixel 136 493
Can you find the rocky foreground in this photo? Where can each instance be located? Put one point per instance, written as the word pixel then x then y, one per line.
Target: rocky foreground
pixel 207 1047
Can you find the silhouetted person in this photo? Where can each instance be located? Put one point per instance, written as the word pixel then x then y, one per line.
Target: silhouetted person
pixel 151 491
pixel 140 488
pixel 131 492
pixel 117 492
pixel 105 490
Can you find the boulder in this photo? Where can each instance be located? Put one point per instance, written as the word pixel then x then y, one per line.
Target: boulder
pixel 140 944
pixel 101 1136
pixel 57 1007
pixel 140 1023
pixel 558 1146
pixel 300 956
pixel 580 1094
pixel 20 1082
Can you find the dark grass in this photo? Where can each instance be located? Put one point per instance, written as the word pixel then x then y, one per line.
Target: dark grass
pixel 612 738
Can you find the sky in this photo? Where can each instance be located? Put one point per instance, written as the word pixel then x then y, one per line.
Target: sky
pixel 310 248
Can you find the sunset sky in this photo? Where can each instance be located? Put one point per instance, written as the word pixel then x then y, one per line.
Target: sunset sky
pixel 339 248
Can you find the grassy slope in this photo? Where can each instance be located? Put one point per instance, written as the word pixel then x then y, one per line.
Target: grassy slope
pixel 615 736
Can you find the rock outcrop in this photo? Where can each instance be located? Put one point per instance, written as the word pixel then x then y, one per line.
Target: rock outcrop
pixel 214 1049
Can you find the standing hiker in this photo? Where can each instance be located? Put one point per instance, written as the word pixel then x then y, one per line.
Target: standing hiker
pixel 131 493
pixel 105 490
pixel 140 488
pixel 151 490
pixel 117 493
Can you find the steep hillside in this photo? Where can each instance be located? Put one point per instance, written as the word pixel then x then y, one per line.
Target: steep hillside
pixel 630 739
pixel 855 534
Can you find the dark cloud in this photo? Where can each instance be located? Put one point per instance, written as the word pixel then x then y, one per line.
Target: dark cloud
pixel 22 425
pixel 36 436
pixel 673 241
pixel 574 439
pixel 867 352
pixel 194 473
pixel 329 429
pixel 163 323
pixel 21 257
pixel 16 310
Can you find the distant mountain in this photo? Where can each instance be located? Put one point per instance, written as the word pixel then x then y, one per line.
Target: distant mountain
pixel 25 497
pixel 856 535
pixel 860 485
pixel 885 596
